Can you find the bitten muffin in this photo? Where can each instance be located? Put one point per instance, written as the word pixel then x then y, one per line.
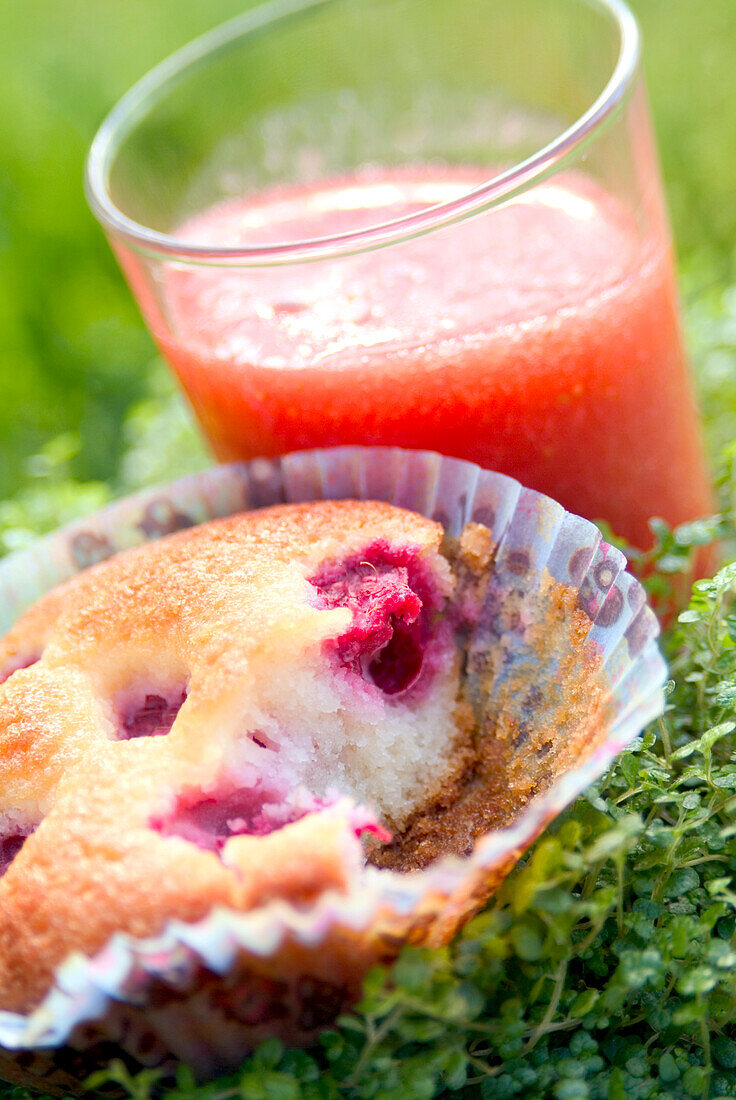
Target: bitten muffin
pixel 257 709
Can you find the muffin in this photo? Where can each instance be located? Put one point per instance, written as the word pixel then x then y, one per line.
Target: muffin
pixel 247 711
pixel 244 763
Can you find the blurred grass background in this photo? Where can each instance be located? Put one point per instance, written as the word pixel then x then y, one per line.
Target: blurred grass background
pixel 74 356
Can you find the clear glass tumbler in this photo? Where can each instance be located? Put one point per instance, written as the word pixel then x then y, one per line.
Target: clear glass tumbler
pixel 430 223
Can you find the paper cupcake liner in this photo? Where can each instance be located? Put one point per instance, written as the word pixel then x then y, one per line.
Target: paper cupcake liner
pixel 205 993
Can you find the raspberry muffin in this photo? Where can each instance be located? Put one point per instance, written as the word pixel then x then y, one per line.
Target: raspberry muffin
pixel 247 711
pixel 251 747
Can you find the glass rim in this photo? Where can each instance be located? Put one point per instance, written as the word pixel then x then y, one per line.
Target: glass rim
pixel 502 187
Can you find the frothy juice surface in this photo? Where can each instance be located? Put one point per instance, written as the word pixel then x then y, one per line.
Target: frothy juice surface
pixel 540 339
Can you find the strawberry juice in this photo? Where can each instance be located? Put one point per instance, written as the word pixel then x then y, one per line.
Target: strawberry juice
pixel 540 339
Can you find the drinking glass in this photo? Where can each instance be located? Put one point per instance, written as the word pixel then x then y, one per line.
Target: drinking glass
pixel 430 223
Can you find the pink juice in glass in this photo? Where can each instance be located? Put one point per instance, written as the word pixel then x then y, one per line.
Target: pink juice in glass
pixel 540 339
